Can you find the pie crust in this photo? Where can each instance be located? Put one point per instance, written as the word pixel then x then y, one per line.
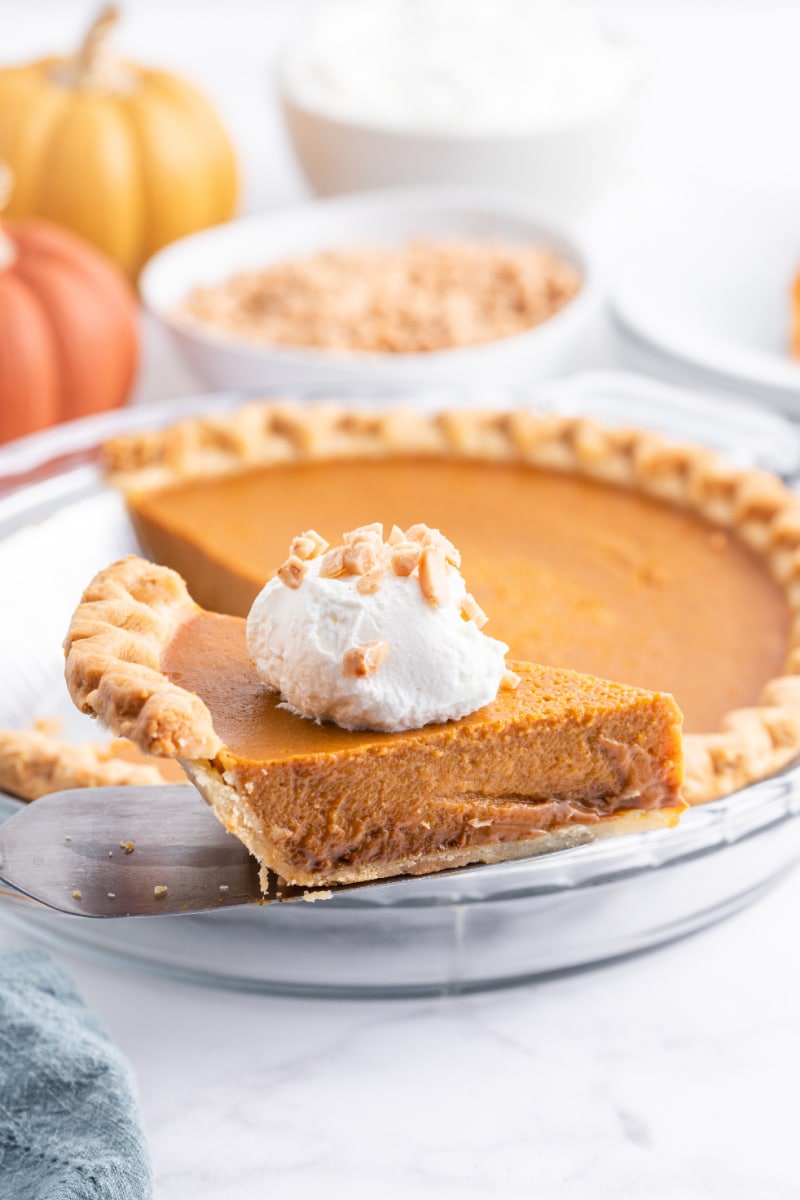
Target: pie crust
pixel 751 743
pixel 34 763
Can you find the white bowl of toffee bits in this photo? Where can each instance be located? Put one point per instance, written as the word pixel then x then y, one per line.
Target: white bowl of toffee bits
pixel 528 96
pixel 403 286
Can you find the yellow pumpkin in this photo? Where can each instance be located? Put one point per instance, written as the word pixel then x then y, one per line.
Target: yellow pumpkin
pixel 127 157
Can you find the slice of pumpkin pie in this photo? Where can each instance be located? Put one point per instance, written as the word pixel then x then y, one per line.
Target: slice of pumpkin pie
pixel 360 724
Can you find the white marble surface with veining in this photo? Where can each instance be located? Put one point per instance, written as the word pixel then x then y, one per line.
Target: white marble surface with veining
pixel 671 1076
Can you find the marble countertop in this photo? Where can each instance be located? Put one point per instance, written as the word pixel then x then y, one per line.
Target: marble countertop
pixel 670 1076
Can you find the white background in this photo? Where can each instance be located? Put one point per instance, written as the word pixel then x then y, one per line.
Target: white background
pixel 669 1077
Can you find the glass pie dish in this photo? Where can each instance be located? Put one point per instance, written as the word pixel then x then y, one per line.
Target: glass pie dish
pixel 481 927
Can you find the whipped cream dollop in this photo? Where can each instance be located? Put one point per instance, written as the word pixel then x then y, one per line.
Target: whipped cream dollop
pixel 373 634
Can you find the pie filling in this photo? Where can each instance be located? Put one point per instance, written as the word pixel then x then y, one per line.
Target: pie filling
pixel 574 573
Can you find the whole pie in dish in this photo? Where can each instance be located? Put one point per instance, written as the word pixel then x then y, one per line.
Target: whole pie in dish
pixel 600 554
pixel 605 551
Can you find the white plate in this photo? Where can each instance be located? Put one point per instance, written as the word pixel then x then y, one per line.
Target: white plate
pixel 706 289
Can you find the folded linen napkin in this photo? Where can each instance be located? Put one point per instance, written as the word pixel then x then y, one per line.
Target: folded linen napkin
pixel 70 1127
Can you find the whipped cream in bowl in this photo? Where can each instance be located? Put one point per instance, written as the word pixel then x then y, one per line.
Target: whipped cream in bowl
pixel 374 634
pixel 464 68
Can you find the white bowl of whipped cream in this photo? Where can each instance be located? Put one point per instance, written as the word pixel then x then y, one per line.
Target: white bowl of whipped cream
pixel 523 95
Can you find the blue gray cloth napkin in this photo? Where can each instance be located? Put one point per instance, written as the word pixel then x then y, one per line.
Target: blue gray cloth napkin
pixel 70 1127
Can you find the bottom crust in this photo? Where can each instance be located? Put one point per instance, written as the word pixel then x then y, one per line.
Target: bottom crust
pixel 233 811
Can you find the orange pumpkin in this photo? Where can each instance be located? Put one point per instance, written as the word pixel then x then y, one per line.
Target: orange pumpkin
pixel 68 329
pixel 128 157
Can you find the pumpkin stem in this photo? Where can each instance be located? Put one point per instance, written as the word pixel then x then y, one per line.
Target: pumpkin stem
pixel 8 251
pixel 94 41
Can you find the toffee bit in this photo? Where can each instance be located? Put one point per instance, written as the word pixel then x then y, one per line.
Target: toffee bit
pixel 160 891
pixel 308 545
pixel 418 533
pixel 451 554
pixel 370 583
pixel 425 536
pixel 333 564
pixel 127 847
pixel 76 895
pixel 360 661
pixel 405 558
pixel 472 611
pixel 360 558
pixel 292 572
pixel 433 575
pixel 365 533
pixel 510 680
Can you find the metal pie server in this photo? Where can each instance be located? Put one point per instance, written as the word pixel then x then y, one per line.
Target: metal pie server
pixel 130 852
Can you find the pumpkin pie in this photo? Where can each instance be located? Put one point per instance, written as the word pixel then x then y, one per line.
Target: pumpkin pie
pixel 556 760
pixel 611 552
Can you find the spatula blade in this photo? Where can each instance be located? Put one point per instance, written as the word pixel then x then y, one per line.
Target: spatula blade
pixel 127 851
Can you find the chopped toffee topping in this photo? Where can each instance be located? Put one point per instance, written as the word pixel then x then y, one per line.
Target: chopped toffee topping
pixel 364 660
pixel 419 551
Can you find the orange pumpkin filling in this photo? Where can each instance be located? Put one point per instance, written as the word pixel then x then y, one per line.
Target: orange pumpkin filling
pixel 573 573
